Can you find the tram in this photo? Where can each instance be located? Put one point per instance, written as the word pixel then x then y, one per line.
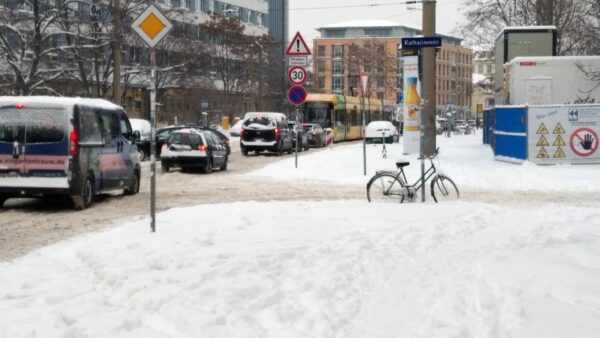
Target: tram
pixel 344 114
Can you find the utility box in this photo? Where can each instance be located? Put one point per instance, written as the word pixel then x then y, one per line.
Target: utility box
pixel 516 41
pixel 553 80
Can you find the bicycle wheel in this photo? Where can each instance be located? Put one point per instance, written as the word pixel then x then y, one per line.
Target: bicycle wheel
pixel 443 189
pixel 385 188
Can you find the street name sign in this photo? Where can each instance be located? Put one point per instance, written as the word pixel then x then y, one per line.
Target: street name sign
pixel 297 47
pixel 422 42
pixel 152 26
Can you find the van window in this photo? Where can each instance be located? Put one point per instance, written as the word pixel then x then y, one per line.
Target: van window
pixel 42 125
pixel 109 124
pixel 89 125
pixel 126 128
pixel 12 125
pixel 260 121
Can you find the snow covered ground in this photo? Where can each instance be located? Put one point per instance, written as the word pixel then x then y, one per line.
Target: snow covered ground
pixel 330 269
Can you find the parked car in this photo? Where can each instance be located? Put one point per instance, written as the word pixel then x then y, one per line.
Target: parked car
pixel 265 131
pixel 194 148
pixel 236 128
pixel 296 130
pixel 315 133
pixel 143 145
pixel 66 146
pixel 162 135
pixel 378 131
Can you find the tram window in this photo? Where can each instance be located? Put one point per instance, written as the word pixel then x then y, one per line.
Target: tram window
pixel 320 113
pixel 354 118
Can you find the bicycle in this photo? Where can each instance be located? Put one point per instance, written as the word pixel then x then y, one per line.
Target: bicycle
pixel 388 185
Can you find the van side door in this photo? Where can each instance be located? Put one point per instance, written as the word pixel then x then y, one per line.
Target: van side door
pixel 110 160
pixel 217 148
pixel 126 148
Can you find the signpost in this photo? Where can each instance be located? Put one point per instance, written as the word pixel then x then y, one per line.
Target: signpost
pixel 152 26
pixel 418 44
pixel 297 53
pixel 364 80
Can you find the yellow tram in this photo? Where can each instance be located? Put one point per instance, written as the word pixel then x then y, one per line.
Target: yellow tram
pixel 344 113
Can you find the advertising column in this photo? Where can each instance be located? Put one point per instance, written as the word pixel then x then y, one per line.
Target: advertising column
pixel 412 105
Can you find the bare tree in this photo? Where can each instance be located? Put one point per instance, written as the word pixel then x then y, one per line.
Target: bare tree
pixel 573 18
pixel 30 42
pixel 373 58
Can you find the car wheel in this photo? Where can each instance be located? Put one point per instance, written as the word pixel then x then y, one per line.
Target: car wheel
pixel 3 199
pixel 134 186
pixel 257 151
pixel 209 166
pixel 224 166
pixel 141 154
pixel 164 167
pixel 85 197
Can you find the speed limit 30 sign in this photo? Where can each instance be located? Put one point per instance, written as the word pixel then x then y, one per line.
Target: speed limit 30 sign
pixel 297 75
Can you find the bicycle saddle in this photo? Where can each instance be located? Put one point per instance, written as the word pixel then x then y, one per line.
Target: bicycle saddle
pixel 402 163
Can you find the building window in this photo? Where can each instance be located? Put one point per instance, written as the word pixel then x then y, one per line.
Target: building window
pixel 176 3
pixel 321 51
pixel 335 33
pixel 190 4
pixel 338 84
pixel 338 51
pixel 338 68
pixel 321 82
pixel 378 32
pixel 321 67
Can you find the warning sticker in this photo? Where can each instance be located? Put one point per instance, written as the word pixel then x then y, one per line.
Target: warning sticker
pixel 559 153
pixel 559 141
pixel 542 142
pixel 543 153
pixel 542 129
pixel 558 129
pixel 584 142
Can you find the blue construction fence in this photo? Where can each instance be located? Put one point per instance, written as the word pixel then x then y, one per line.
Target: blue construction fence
pixel 505 130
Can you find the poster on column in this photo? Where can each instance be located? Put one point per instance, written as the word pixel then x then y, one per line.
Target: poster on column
pixel 564 134
pixel 412 105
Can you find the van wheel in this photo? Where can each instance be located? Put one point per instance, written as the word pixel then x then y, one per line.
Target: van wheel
pixel 141 154
pixel 164 167
pixel 86 195
pixel 134 187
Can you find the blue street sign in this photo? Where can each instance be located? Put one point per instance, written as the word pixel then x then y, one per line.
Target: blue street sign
pixel 297 95
pixel 422 42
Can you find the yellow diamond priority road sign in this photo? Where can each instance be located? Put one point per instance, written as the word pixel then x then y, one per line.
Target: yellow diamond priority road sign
pixel 152 26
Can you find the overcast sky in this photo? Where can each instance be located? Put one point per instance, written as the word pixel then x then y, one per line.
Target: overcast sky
pixel 306 21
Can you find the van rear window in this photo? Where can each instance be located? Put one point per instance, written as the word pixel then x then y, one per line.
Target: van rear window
pixel 32 125
pixel 261 121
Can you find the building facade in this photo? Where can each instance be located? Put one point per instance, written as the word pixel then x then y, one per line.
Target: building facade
pixel 335 65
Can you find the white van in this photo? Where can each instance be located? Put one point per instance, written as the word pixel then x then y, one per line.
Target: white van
pixel 66 146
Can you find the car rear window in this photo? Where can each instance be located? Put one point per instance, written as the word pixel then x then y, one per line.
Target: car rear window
pixel 32 125
pixel 192 140
pixel 260 121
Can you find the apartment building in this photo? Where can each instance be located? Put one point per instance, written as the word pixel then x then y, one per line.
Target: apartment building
pixel 335 68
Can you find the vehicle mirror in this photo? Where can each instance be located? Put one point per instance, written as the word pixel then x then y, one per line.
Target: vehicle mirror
pixel 136 136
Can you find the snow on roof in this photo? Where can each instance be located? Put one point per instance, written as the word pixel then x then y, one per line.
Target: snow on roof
pixel 524 28
pixel 58 100
pixel 364 23
pixel 554 58
pixel 477 78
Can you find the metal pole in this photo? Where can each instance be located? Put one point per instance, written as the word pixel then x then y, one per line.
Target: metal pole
pixel 153 140
pixel 422 135
pixel 364 138
pixel 297 135
pixel 428 82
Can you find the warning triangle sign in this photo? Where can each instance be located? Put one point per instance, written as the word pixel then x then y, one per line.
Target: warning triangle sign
pixel 542 142
pixel 559 153
pixel 542 129
pixel 543 153
pixel 297 47
pixel 559 141
pixel 558 129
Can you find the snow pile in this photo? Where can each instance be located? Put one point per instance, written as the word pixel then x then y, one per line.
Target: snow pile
pixel 318 269
pixel 462 157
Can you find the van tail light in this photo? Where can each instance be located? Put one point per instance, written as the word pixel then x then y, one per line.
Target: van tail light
pixel 276 133
pixel 241 132
pixel 314 133
pixel 164 147
pixel 203 148
pixel 73 141
pixel 20 106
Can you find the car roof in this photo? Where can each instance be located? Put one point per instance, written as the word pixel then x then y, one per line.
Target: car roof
pixel 278 116
pixel 58 101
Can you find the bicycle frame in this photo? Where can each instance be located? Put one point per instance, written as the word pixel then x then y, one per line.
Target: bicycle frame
pixel 431 171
